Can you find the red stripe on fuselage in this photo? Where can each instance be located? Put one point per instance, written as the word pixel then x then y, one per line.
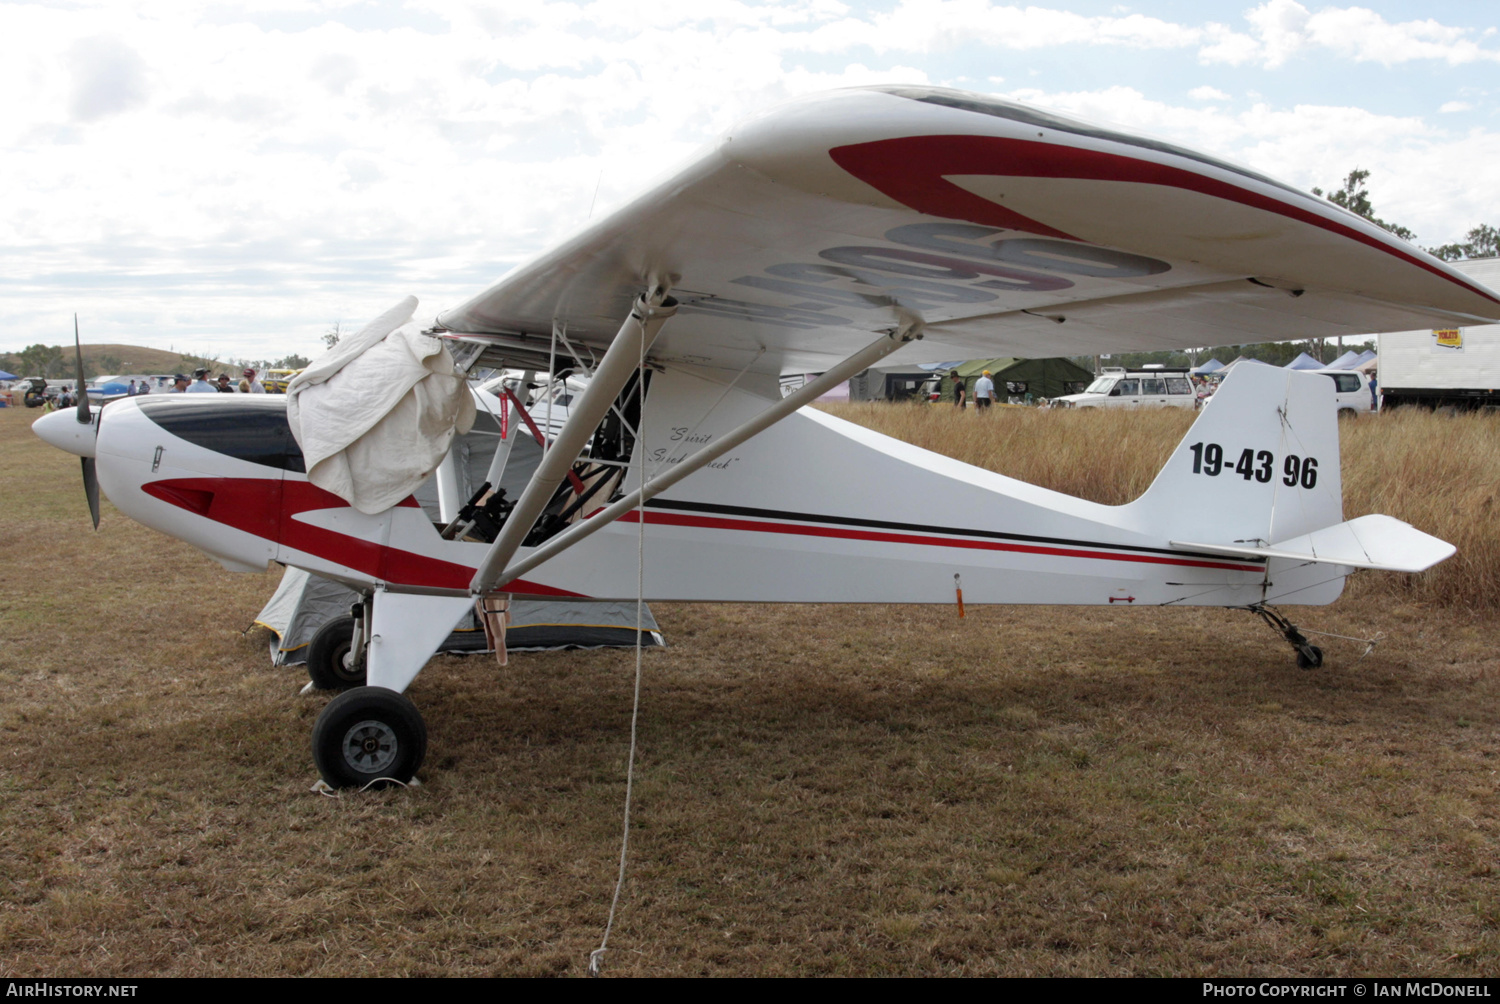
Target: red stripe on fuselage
pixel 267 508
pixel 805 530
pixel 914 171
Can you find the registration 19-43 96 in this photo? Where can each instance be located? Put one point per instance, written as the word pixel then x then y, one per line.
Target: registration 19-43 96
pixel 1255 465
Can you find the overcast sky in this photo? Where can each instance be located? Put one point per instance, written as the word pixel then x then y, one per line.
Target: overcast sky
pixel 233 178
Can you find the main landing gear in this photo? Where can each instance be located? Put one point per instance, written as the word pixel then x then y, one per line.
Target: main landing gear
pixel 369 735
pixel 1309 656
pixel 366 735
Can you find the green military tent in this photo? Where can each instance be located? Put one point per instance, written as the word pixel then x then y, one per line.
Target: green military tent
pixel 1022 381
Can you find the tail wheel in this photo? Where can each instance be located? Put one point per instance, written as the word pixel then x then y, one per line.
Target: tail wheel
pixel 368 734
pixel 332 663
pixel 1310 657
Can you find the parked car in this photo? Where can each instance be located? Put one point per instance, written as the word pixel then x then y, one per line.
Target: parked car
pixel 1352 391
pixel 1117 387
pixel 275 381
pixel 36 393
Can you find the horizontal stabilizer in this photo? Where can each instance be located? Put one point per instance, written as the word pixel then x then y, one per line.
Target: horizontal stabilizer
pixel 1374 541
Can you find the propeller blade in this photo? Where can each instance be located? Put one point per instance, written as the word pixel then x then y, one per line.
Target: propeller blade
pixel 83 405
pixel 91 488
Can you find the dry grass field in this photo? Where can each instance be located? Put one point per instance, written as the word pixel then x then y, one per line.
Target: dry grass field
pixel 822 790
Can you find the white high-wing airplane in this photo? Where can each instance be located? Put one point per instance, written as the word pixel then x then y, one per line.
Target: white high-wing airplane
pixel 821 237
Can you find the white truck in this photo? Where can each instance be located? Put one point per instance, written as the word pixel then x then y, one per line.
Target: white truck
pixel 1455 367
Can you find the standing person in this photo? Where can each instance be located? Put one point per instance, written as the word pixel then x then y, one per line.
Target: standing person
pixel 959 392
pixel 201 384
pixel 223 386
pixel 984 391
pixel 179 384
pixel 131 392
pixel 250 385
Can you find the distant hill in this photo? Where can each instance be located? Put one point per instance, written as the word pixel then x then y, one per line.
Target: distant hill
pixel 136 359
pixel 100 360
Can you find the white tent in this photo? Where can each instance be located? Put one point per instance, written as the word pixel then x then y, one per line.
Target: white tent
pixel 1303 362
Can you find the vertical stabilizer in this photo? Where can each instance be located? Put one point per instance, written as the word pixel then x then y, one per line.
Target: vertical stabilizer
pixel 1261 463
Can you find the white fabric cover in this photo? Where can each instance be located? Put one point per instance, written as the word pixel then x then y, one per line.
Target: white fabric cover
pixel 376 413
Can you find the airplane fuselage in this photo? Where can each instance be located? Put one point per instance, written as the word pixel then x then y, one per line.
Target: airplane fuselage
pixel 813 510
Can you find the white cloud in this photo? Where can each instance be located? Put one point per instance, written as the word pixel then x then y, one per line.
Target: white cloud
pixel 108 77
pixel 1285 28
pixel 1448 107
pixel 248 172
pixel 1282 28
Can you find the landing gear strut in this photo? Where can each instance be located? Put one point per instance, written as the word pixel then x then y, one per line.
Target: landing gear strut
pixel 1309 656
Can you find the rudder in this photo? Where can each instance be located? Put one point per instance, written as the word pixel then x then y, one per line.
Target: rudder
pixel 1260 464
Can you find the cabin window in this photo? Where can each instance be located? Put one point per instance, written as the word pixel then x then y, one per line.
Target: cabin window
pixel 244 430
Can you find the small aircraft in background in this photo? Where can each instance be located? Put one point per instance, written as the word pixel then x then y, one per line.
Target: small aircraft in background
pixel 821 237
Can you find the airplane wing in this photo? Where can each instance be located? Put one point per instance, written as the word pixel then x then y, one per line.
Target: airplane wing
pixel 1007 230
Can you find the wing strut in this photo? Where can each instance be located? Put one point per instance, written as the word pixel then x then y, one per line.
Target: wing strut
pixel 856 363
pixel 650 312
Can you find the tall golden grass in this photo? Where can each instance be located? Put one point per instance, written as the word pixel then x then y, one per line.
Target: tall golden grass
pixel 834 789
pixel 1439 473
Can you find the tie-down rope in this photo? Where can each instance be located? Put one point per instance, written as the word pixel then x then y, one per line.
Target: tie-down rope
pixel 596 957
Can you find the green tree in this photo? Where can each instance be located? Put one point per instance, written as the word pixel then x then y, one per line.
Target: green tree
pixel 190 361
pixel 292 362
pixel 42 360
pixel 1354 197
pixel 1483 242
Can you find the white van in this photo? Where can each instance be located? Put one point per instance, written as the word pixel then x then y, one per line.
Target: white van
pixel 1352 391
pixel 1154 387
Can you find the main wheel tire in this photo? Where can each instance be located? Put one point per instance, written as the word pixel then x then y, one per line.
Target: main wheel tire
pixel 330 663
pixel 368 734
pixel 1311 659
